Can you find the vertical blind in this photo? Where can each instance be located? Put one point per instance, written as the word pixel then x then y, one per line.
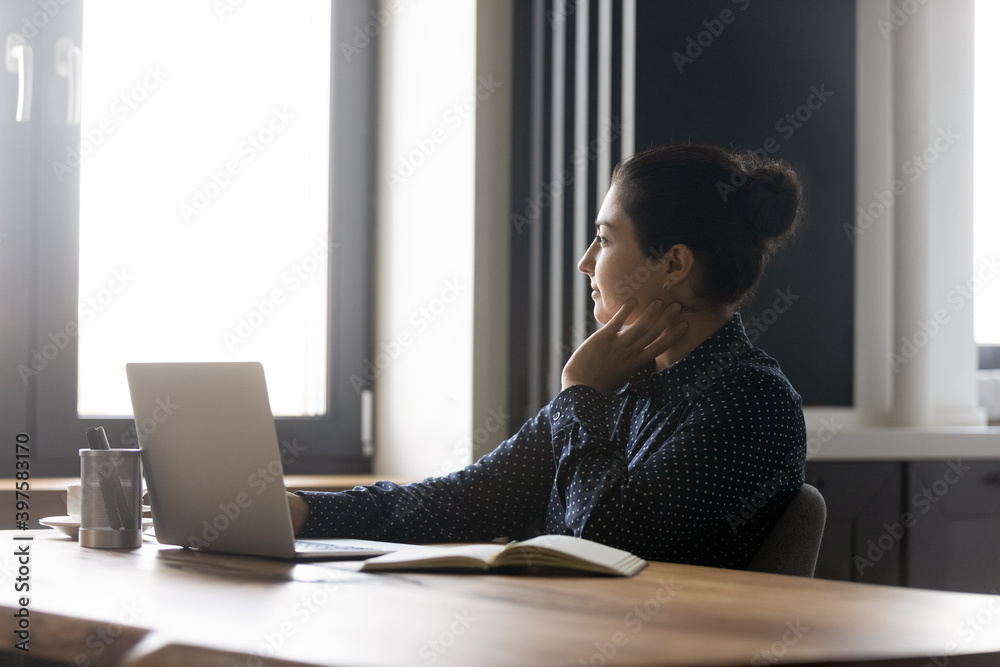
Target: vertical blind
pixel 579 110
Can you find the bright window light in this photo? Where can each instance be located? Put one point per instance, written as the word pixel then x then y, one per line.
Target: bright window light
pixel 987 173
pixel 204 185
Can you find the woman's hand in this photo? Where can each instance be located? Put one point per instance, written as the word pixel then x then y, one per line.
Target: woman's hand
pixel 299 510
pixel 609 356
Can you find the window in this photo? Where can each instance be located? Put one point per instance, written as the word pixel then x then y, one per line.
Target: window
pixel 193 184
pixel 987 147
pixel 204 179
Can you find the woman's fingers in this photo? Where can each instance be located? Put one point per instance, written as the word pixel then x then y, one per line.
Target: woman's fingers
pixel 653 334
pixel 666 339
pixel 609 356
pixel 617 321
pixel 653 320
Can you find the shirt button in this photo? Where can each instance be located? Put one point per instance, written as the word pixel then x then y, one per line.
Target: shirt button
pixel 556 415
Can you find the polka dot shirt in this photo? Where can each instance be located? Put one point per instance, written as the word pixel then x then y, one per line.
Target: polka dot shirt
pixel 691 464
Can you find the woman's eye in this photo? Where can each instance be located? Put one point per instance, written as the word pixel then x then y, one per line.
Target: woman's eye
pixel 600 239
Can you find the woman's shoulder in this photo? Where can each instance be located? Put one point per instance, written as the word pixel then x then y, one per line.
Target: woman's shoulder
pixel 752 378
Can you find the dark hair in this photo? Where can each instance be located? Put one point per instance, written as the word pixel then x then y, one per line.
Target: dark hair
pixel 733 210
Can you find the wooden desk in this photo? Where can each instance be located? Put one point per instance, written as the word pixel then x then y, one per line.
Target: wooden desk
pixel 169 607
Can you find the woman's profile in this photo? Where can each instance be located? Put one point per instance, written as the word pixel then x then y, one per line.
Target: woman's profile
pixel 673 437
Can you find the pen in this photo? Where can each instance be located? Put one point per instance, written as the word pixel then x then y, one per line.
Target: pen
pixel 111 486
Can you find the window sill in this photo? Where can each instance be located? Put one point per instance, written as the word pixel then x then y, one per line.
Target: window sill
pixel 903 444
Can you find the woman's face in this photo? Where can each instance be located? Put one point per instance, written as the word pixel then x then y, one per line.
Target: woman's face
pixel 617 266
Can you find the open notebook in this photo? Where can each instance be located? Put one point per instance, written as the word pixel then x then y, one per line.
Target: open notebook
pixel 542 555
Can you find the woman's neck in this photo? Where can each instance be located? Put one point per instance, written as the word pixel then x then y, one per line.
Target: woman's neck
pixel 701 325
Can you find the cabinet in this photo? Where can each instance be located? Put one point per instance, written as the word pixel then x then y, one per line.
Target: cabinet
pixel 862 504
pixel 925 524
pixel 954 544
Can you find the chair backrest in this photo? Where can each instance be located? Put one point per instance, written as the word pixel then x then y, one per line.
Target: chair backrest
pixel 793 544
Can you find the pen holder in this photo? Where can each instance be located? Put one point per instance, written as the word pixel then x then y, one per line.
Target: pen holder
pixel 110 498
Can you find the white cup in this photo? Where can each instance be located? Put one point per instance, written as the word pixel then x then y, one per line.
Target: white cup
pixel 73 500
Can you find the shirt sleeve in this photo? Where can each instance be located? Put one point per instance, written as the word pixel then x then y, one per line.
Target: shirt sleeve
pixel 497 496
pixel 683 497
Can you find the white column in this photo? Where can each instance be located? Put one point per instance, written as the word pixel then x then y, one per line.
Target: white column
pixel 871 228
pixel 912 133
pixel 950 164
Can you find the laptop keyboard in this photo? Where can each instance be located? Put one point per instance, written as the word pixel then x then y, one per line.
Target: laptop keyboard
pixel 306 545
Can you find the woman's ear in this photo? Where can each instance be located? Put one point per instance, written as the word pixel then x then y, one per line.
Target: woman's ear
pixel 677 263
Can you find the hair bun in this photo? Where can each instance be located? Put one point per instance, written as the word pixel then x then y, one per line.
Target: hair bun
pixel 774 199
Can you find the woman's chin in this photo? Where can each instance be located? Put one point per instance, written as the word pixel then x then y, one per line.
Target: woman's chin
pixel 601 315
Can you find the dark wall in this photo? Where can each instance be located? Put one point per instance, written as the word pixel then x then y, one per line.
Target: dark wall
pixel 729 72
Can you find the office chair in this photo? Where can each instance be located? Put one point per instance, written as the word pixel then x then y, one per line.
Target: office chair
pixel 793 544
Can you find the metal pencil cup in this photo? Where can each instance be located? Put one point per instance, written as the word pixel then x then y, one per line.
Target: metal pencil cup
pixel 110 498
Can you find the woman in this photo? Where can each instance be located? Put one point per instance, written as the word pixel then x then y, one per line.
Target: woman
pixel 673 436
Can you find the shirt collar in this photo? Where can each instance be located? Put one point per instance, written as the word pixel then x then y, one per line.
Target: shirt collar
pixel 698 369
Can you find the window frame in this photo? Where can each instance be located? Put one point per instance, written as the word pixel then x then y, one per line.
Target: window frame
pixel 46 228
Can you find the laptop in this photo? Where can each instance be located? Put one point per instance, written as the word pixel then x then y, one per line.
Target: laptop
pixel 213 466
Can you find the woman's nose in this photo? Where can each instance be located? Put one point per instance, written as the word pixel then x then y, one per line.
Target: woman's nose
pixel 586 263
